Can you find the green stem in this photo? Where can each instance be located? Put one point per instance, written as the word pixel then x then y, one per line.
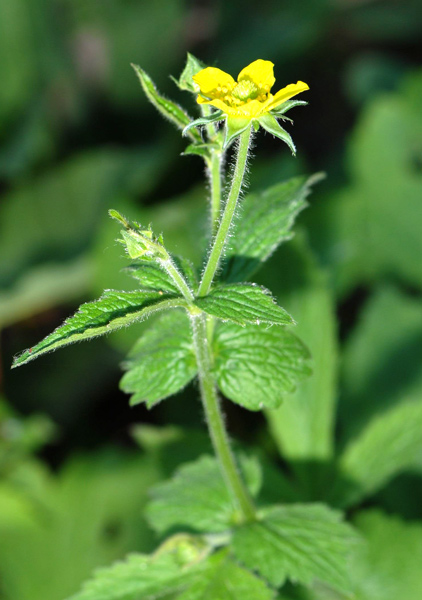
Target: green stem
pixel 215 421
pixel 220 239
pixel 168 265
pixel 215 182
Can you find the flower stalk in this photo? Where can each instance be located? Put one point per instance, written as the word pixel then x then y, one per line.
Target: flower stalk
pixel 220 239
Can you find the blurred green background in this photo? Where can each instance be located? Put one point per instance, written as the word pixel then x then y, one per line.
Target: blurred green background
pixel 77 137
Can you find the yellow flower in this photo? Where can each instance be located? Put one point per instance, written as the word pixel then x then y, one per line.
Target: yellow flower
pixel 248 98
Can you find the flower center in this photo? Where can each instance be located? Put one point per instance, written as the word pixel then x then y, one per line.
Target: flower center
pixel 245 90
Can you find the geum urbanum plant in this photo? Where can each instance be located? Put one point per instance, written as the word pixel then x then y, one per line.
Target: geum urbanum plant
pixel 236 340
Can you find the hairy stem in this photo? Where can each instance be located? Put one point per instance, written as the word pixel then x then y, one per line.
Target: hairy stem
pixel 220 239
pixel 168 265
pixel 215 421
pixel 215 183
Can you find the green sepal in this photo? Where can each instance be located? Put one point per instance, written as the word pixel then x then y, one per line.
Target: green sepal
pixel 270 124
pixel 203 150
pixel 169 109
pixel 204 121
pixel 192 67
pixel 283 108
pixel 234 127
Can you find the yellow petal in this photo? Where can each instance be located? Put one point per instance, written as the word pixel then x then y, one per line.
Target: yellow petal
pixel 261 72
pixel 215 102
pixel 285 94
pixel 211 81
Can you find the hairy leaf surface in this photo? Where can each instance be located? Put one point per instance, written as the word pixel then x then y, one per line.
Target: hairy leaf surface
pixel 162 362
pixel 168 576
pixel 112 311
pixel 197 497
pixel 265 222
pixel 256 366
pixel 301 542
pixel 243 303
pixel 169 109
pixel 152 277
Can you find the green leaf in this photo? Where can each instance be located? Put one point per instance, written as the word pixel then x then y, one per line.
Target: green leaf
pixel 388 566
pixel 301 542
pixel 257 366
pixel 270 124
pixel 192 67
pixel 167 576
pixel 162 362
pixel 167 108
pixel 152 277
pixel 303 427
pixel 390 443
pixel 381 364
pixel 197 497
pixel 112 311
pixel 234 127
pixel 243 303
pixel 265 222
pixel 203 122
pixel 228 581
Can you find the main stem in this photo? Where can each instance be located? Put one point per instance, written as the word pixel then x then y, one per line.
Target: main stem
pixel 215 421
pixel 215 182
pixel 227 217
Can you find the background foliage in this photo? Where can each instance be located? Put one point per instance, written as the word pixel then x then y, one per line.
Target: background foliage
pixel 77 137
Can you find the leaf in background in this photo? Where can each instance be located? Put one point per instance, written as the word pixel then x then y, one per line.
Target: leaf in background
pixel 303 426
pixel 165 575
pixel 256 366
pixel 162 362
pixel 388 566
pixel 382 358
pixel 112 311
pixel 53 216
pixel 371 229
pixel 169 109
pixel 302 543
pixel 390 443
pixel 87 515
pixel 243 303
pixel 197 497
pixel 265 222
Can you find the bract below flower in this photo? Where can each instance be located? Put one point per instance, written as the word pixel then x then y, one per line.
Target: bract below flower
pixel 247 101
pixel 250 96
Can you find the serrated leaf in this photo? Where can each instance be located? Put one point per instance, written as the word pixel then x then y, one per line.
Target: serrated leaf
pixel 152 277
pixel 270 124
pixel 390 443
pixel 197 497
pixel 112 311
pixel 164 576
pixel 301 542
pixel 169 109
pixel 162 362
pixel 265 222
pixel 243 303
pixel 255 366
pixel 228 581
